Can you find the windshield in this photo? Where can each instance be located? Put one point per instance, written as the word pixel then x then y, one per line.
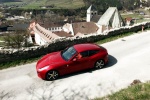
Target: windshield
pixel 68 53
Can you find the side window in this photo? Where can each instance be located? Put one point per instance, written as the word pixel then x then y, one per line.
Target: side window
pixel 85 54
pixel 92 52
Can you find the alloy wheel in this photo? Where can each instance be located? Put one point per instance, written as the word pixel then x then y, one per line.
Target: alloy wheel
pixel 99 64
pixel 52 75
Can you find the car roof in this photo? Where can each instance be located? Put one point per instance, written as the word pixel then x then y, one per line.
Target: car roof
pixel 86 46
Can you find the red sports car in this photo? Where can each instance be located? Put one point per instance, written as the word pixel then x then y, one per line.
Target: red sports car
pixel 72 59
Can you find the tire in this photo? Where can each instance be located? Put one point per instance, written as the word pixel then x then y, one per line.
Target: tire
pixel 99 64
pixel 52 75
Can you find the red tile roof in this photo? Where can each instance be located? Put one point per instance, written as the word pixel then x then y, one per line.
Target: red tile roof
pixel 45 34
pixel 62 34
pixel 48 24
pixel 128 18
pixel 85 27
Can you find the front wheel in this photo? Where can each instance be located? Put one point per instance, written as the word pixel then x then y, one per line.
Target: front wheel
pixel 52 75
pixel 99 64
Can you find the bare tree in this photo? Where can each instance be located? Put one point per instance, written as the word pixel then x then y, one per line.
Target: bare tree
pixel 16 39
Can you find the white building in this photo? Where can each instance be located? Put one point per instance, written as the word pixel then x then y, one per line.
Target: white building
pixel 42 36
pixel 91 11
pixel 110 19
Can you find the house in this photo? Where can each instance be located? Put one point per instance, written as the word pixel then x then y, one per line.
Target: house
pixel 41 36
pixel 3 28
pixel 18 26
pixel 80 29
pixel 52 26
pixel 128 21
pixel 15 18
pixel 49 25
pixel 45 32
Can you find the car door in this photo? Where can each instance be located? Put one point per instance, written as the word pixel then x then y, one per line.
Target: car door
pixel 79 64
pixel 93 57
pixel 88 59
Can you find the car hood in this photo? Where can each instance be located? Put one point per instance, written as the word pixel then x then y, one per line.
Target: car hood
pixel 51 59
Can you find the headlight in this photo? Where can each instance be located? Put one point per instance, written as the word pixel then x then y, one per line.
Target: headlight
pixel 43 68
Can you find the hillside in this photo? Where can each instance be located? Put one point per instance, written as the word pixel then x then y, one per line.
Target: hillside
pixel 40 3
pixel 101 5
pixel 9 1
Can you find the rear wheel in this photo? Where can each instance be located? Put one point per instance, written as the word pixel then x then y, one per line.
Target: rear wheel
pixel 52 75
pixel 99 64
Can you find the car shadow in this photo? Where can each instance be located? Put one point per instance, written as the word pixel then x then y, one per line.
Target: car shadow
pixel 111 61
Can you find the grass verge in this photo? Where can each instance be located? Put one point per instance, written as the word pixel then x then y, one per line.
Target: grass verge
pixel 114 38
pixel 135 92
pixel 18 62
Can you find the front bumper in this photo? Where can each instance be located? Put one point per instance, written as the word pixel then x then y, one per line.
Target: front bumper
pixel 41 75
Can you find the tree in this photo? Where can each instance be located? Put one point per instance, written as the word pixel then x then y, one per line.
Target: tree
pixel 148 2
pixel 130 4
pixel 102 5
pixel 16 39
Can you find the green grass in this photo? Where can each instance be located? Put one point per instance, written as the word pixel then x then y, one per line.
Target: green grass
pixel 114 38
pixel 136 16
pixel 136 92
pixel 58 4
pixel 1 38
pixel 143 20
pixel 12 3
pixel 2 43
pixel 17 63
pixel 133 16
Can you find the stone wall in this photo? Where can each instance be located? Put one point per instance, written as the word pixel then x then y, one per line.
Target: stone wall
pixel 9 55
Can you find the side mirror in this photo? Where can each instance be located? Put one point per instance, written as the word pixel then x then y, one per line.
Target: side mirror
pixel 74 59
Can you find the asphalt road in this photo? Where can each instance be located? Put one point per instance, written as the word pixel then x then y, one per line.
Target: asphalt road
pixel 129 59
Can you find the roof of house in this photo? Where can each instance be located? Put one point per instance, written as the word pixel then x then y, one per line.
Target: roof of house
pixel 62 34
pixel 51 24
pixel 45 34
pixel 18 26
pixel 84 27
pixel 128 18
pixel 48 24
pixel 95 18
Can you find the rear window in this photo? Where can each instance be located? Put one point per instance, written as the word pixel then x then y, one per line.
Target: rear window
pixel 89 53
pixel 92 52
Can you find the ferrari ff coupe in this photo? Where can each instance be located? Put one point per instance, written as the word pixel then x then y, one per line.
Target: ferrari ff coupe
pixel 72 59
